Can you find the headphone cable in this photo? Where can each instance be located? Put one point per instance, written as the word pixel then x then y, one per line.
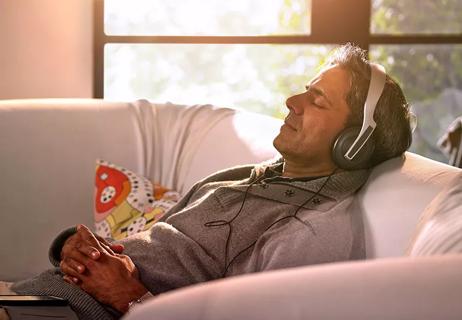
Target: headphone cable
pixel 219 223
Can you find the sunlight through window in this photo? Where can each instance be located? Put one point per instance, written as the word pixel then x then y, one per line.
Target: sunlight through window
pixel 207 17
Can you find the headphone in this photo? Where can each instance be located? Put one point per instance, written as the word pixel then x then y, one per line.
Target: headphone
pixel 354 146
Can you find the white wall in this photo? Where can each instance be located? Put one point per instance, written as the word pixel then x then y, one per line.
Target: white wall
pixel 46 48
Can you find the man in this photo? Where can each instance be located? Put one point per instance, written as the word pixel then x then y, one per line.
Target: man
pixel 292 212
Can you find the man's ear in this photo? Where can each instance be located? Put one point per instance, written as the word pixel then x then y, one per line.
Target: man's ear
pixel 343 143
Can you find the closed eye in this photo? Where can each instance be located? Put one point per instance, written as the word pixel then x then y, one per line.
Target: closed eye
pixel 319 97
pixel 314 99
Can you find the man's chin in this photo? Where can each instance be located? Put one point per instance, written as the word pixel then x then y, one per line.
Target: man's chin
pixel 277 143
pixel 282 146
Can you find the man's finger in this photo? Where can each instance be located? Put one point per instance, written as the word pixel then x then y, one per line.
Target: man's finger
pixel 107 248
pixel 69 244
pixel 74 265
pixel 78 257
pixel 101 239
pixel 116 248
pixel 71 280
pixel 67 270
pixel 93 247
pixel 89 251
pixel 86 234
pixel 86 248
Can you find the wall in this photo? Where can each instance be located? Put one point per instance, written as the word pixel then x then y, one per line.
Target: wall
pixel 46 48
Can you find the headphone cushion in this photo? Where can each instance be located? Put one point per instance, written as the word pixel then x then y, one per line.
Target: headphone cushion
pixel 341 145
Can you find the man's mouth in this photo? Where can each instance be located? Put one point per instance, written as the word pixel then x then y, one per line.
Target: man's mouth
pixel 290 126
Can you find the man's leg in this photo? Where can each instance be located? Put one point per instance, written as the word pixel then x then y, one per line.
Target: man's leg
pixel 51 283
pixel 3 314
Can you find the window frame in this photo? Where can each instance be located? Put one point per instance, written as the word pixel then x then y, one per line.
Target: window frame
pixel 332 22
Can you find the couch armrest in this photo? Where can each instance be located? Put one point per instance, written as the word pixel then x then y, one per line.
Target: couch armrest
pixel 400 288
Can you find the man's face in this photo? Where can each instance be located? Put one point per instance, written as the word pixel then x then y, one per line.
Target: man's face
pixel 315 118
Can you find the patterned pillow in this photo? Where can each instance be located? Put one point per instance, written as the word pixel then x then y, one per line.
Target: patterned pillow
pixel 126 203
pixel 440 228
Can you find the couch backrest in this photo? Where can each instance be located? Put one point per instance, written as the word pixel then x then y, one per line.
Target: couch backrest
pixel 49 147
pixel 393 199
pixel 192 142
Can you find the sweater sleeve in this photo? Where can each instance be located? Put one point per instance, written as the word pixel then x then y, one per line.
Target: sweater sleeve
pixel 167 258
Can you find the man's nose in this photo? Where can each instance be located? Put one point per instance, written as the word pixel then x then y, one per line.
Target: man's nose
pixel 294 104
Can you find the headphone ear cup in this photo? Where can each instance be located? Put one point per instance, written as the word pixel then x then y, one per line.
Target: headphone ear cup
pixel 341 145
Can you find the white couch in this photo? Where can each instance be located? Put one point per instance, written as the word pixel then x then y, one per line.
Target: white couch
pixel 47 165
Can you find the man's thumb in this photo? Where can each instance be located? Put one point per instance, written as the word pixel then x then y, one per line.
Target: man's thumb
pixel 117 248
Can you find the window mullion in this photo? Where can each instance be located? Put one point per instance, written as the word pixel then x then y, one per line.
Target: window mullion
pixel 342 21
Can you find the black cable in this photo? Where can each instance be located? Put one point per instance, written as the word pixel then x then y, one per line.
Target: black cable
pixel 219 223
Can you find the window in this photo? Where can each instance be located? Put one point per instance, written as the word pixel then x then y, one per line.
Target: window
pixel 256 77
pixel 420 44
pixel 207 17
pixel 240 53
pixel 253 54
pixel 431 78
pixel 416 17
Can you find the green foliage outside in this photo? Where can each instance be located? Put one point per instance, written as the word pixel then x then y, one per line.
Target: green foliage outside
pixel 430 75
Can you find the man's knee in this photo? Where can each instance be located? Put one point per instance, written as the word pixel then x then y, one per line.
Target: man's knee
pixel 3 314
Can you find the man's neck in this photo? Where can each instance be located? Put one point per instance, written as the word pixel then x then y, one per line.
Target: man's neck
pixel 296 170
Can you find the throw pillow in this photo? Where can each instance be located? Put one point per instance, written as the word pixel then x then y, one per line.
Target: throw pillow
pixel 440 228
pixel 126 203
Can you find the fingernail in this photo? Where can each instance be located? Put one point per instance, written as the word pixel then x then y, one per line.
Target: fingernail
pixel 75 280
pixel 80 268
pixel 95 254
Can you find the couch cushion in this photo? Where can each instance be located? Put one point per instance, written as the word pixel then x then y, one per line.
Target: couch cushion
pixel 440 228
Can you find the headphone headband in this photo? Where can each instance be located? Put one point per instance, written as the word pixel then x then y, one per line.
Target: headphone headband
pixel 376 85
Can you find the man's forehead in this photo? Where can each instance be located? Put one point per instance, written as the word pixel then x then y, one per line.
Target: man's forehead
pixel 335 78
pixel 325 70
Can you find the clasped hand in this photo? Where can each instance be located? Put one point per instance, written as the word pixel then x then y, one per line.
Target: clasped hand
pixel 100 269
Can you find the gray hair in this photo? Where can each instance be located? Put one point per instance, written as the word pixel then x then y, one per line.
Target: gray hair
pixel 393 134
